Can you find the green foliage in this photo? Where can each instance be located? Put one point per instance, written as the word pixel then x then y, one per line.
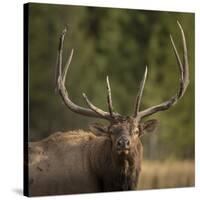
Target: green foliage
pixel 118 43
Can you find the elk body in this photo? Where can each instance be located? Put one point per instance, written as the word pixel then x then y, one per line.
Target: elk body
pixel 106 158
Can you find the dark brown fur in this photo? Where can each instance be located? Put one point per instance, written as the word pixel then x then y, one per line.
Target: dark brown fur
pixel 80 162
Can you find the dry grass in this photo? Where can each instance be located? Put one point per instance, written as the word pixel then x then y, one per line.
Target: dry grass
pixel 167 174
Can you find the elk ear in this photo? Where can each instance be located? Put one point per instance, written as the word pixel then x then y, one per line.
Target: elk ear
pixel 149 126
pixel 98 129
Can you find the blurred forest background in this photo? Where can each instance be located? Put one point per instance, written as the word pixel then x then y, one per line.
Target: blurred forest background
pixel 118 43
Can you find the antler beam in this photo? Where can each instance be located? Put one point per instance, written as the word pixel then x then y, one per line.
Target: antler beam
pixel 184 81
pixel 93 111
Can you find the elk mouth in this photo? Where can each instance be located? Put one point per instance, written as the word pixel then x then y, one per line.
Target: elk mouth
pixel 123 151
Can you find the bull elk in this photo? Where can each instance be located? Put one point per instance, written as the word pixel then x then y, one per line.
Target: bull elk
pixel 106 158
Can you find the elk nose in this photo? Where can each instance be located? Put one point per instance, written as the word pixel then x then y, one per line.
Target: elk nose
pixel 123 142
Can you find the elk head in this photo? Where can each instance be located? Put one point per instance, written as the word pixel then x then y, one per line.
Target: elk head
pixel 125 132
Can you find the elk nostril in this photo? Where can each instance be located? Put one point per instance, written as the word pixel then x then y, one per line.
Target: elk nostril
pixel 119 142
pixel 127 142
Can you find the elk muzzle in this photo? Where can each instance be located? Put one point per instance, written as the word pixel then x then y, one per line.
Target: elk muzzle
pixel 123 145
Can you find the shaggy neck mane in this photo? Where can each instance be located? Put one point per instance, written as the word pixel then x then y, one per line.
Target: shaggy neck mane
pixel 113 172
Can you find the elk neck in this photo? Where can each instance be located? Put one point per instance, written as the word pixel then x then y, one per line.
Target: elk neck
pixel 112 171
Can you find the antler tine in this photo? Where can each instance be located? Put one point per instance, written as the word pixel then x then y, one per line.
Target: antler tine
pixel 185 66
pixel 95 109
pixel 100 112
pixel 59 58
pixel 184 80
pixel 61 79
pixel 67 66
pixel 139 94
pixel 112 115
pixel 109 97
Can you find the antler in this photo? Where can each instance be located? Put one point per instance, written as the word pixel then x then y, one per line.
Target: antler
pixel 184 81
pixel 93 111
pixel 139 94
pixel 109 97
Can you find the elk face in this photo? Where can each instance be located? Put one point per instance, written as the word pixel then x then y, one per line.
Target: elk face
pixel 121 135
pixel 126 134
